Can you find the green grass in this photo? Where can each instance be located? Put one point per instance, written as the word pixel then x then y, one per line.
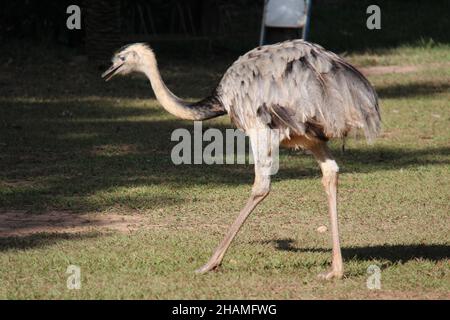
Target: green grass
pixel 69 142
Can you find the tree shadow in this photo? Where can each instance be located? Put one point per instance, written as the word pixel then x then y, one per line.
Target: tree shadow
pixel 412 90
pixel 41 240
pixel 397 26
pixel 67 136
pixel 392 253
pixel 44 155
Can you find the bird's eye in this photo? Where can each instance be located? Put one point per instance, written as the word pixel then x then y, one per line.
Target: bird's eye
pixel 122 58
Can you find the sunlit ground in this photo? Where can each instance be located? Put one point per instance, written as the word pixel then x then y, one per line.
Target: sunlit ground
pixel 72 144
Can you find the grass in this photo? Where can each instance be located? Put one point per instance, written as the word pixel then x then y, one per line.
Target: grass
pixel 69 142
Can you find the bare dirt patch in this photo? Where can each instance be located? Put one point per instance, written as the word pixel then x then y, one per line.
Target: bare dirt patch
pixel 21 223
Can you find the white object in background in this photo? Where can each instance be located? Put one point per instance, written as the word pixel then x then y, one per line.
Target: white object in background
pixel 286 13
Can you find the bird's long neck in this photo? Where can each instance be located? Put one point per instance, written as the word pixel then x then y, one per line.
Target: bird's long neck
pixel 205 109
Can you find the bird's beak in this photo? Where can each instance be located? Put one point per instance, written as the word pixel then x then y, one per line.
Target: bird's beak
pixel 108 74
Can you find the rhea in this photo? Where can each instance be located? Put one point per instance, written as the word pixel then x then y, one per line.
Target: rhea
pixel 306 94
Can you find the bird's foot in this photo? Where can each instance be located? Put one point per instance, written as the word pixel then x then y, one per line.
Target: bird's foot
pixel 210 266
pixel 332 274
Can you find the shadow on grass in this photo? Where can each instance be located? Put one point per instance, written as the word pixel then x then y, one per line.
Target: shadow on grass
pixel 392 253
pixel 412 90
pixel 41 240
pixel 81 162
pixel 68 141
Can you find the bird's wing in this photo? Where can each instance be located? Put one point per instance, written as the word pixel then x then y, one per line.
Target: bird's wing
pixel 302 87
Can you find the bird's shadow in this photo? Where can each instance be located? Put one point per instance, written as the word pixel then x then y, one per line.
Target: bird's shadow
pixel 392 253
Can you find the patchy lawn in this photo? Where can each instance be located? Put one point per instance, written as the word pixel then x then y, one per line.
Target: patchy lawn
pixel 86 179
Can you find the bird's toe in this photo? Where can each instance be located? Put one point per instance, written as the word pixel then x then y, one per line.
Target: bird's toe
pixel 206 268
pixel 333 274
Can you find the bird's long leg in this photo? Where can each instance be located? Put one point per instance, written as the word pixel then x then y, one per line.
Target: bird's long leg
pixel 330 181
pixel 263 157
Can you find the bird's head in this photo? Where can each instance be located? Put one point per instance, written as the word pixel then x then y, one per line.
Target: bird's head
pixel 127 59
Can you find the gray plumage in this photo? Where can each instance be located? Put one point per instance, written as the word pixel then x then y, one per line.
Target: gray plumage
pixel 300 88
pixel 308 93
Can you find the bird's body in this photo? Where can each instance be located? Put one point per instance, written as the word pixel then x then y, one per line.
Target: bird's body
pixel 300 89
pixel 304 92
